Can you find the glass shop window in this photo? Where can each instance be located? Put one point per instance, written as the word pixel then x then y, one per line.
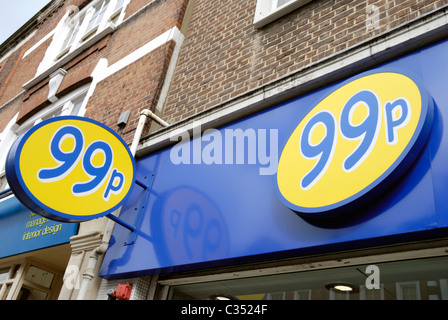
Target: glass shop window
pixel 28 281
pixel 422 279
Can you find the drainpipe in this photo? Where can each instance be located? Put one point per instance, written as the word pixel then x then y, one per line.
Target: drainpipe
pixel 138 132
pixel 89 273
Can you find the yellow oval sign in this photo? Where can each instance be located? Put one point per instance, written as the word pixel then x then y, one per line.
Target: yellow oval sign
pixel 70 169
pixel 359 138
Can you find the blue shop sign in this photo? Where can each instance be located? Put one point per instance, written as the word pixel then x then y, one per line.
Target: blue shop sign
pixel 22 230
pixel 210 204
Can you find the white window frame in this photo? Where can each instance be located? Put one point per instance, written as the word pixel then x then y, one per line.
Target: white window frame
pixel 16 279
pixel 62 50
pixel 267 11
pixel 411 284
pixel 63 106
pixel 71 32
pixel 300 294
pixel 278 4
pixel 81 21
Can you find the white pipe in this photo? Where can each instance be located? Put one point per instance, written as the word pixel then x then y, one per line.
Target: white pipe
pixel 141 124
pixel 138 132
pixel 89 273
pixel 153 116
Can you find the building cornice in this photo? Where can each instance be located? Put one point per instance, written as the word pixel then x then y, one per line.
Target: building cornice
pixel 27 28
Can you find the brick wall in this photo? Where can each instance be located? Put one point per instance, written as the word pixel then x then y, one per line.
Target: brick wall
pixel 134 88
pixel 8 112
pixel 7 72
pixel 157 17
pixel 224 55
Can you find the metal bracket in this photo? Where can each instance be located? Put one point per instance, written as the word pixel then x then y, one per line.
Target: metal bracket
pixel 140 209
pixel 5 193
pixel 139 215
pixel 120 222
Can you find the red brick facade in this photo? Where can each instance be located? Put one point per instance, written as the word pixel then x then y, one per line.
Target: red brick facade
pixel 134 88
pixel 224 55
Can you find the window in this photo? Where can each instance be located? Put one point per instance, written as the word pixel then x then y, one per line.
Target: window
pixel 281 3
pixel 118 6
pixel 408 290
pixel 98 17
pixel 70 37
pixel 69 105
pixel 418 279
pixel 78 31
pixel 269 10
pixel 27 280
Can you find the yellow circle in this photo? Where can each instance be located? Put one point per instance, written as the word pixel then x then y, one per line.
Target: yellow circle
pixel 336 184
pixel 58 195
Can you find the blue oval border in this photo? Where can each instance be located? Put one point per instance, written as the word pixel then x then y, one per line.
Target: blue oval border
pixel 393 173
pixel 21 191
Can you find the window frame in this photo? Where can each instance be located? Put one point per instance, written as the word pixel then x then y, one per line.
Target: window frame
pixel 393 259
pixel 276 5
pixel 267 11
pixel 97 16
pixel 70 36
pixel 80 33
pixel 10 287
pixel 63 106
pixel 401 286
pixel 56 56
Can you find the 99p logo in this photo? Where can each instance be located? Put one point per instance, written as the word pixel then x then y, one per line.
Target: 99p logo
pixel 70 169
pixel 357 140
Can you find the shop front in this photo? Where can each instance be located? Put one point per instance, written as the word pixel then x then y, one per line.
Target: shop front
pixel 337 194
pixel 34 253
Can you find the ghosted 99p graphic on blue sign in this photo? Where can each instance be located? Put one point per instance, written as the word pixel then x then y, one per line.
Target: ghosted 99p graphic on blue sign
pixel 205 215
